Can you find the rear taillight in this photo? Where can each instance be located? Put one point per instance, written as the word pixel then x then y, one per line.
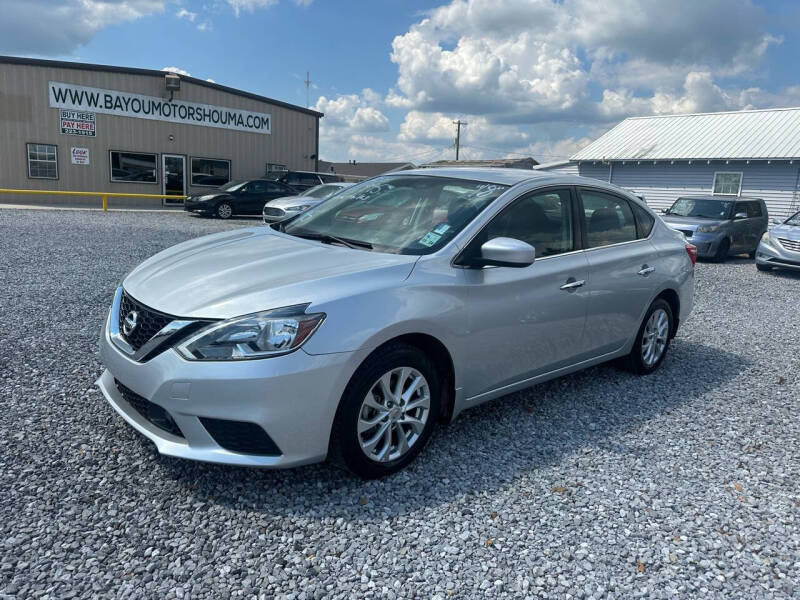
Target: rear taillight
pixel 691 250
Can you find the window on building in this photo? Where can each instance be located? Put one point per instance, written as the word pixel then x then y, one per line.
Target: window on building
pixel 212 172
pixel 135 167
pixel 609 219
pixel 42 161
pixel 727 184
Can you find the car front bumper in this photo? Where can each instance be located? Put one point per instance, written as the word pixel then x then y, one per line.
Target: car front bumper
pixel 203 208
pixel 293 398
pixel 775 255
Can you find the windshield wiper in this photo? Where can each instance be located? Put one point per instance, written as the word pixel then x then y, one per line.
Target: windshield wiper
pixel 327 238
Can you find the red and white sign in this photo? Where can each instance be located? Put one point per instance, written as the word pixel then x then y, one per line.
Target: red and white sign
pixel 75 122
pixel 80 156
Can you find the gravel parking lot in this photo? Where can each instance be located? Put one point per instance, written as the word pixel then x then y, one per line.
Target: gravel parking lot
pixel 596 485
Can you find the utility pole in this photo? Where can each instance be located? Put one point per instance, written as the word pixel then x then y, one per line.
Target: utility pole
pixel 458 125
pixel 308 85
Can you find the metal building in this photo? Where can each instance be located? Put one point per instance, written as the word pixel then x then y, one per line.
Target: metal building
pixel 741 153
pixel 71 126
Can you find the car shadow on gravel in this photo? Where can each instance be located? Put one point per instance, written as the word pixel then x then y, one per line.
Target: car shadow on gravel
pixel 486 449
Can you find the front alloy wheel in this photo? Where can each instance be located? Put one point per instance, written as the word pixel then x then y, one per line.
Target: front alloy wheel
pixel 393 414
pixel 224 210
pixel 387 412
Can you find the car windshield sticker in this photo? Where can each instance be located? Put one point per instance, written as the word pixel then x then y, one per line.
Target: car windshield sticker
pixel 429 239
pixel 441 229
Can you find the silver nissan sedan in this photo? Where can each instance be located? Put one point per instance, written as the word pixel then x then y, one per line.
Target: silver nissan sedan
pixel 354 329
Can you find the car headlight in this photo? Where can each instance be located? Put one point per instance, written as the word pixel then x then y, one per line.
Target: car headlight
pixel 766 239
pixel 707 228
pixel 299 207
pixel 258 335
pixel 206 197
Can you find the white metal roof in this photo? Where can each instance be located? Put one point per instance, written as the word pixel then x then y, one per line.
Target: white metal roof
pixel 745 134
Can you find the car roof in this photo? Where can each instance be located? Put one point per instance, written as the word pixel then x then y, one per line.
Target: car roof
pixel 499 175
pixel 720 198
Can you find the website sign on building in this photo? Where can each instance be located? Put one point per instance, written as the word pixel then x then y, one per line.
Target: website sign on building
pixel 124 104
pixel 75 122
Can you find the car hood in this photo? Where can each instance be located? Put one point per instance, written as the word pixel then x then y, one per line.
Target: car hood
pixel 789 232
pixel 288 201
pixel 248 270
pixel 689 223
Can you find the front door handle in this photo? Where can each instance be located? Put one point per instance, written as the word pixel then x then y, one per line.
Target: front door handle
pixel 571 285
pixel 645 270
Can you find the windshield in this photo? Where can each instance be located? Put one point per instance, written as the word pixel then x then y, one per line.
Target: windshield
pixel 793 220
pixel 402 214
pixel 702 208
pixel 322 191
pixel 232 186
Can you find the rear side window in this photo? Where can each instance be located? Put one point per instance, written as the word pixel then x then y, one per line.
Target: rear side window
pixel 753 209
pixel 308 179
pixel 607 219
pixel 644 220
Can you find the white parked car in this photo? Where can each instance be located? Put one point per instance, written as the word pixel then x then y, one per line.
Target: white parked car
pixel 289 206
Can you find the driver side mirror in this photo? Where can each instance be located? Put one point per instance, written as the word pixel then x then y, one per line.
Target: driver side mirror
pixel 740 215
pixel 777 222
pixel 664 211
pixel 506 252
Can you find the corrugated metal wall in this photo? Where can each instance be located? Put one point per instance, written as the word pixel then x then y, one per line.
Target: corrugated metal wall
pixel 662 183
pixel 568 169
pixel 26 116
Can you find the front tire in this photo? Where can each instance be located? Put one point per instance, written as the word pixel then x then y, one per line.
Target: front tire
pixel 652 341
pixel 224 210
pixel 387 413
pixel 722 251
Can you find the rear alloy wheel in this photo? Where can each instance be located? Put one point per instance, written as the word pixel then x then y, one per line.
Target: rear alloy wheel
pixel 224 210
pixel 722 250
pixel 652 341
pixel 387 413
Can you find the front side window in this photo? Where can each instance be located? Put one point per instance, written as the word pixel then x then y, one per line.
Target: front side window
pixel 42 161
pixel 753 209
pixel 542 219
pixel 608 219
pixel 136 167
pixel 411 214
pixel 256 187
pixel 727 184
pixel 210 171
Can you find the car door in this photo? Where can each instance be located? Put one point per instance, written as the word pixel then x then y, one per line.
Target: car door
pixel 622 270
pixel 252 199
pixel 527 321
pixel 756 222
pixel 740 227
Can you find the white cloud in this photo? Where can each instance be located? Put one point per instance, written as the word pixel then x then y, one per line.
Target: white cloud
pixel 352 113
pixel 59 27
pixel 185 14
pixel 177 70
pixel 240 6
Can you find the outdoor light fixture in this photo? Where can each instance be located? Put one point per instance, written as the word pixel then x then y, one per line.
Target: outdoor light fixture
pixel 173 83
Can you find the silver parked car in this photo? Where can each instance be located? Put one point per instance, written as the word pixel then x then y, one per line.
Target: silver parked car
pixel 356 328
pixel 780 246
pixel 719 225
pixel 289 206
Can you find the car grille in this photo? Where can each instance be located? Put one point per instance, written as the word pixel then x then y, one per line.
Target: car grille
pixel 793 245
pixel 149 410
pixel 149 321
pixel 273 212
pixel 241 437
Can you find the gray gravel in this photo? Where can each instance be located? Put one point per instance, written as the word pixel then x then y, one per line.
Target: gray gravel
pixel 597 485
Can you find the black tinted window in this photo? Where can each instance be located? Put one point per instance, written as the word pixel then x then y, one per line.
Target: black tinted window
pixel 608 219
pixel 644 219
pixel 256 187
pixel 307 179
pixel 542 219
pixel 753 209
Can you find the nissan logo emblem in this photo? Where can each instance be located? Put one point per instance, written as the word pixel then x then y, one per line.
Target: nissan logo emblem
pixel 130 322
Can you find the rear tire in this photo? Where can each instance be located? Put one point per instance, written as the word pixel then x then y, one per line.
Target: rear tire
pixel 763 267
pixel 224 210
pixel 652 341
pixel 366 412
pixel 722 251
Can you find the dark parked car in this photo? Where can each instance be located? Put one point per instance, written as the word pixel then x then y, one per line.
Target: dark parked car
pixel 237 198
pixel 719 225
pixel 305 180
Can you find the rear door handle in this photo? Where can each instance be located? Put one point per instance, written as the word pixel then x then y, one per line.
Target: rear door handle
pixel 571 285
pixel 645 270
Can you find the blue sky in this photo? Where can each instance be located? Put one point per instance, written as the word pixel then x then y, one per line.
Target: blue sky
pixel 531 77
